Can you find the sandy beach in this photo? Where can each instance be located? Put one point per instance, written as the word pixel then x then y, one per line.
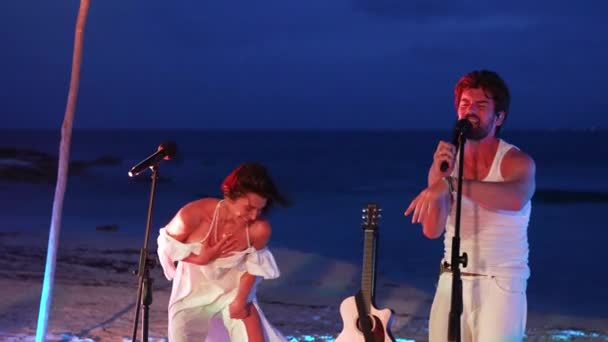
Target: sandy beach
pixel 95 294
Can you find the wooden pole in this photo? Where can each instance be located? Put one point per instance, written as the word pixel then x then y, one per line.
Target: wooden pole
pixel 62 177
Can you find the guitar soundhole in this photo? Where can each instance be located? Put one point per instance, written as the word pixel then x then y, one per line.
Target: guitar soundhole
pixel 377 329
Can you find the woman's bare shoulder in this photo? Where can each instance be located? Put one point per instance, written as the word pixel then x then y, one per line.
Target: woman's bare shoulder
pixel 190 216
pixel 260 232
pixel 203 206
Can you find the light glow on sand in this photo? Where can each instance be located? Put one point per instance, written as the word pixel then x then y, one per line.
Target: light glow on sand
pixel 567 335
pixel 556 335
pixel 327 338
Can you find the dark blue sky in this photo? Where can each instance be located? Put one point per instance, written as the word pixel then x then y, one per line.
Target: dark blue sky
pixel 301 64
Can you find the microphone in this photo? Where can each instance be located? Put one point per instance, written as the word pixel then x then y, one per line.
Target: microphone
pixel 463 126
pixel 166 150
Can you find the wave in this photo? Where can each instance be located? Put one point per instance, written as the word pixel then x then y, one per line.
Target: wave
pixel 557 196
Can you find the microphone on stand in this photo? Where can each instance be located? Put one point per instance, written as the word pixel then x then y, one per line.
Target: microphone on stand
pixel 463 126
pixel 166 150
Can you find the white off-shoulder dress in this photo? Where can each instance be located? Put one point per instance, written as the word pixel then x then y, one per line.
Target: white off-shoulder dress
pixel 201 294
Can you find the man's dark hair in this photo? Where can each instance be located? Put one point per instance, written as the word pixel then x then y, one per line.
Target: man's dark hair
pixel 493 86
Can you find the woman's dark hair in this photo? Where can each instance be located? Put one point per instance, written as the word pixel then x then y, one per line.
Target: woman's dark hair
pixel 253 177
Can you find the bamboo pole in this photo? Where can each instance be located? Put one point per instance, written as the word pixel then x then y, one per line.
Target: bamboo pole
pixel 62 176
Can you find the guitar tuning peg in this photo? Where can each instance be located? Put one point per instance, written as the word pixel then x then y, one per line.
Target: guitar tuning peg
pixel 364 210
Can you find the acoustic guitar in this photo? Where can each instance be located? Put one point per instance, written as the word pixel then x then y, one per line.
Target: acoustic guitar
pixel 361 320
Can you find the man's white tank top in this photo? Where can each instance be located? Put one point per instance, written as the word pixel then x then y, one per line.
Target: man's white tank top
pixel 496 241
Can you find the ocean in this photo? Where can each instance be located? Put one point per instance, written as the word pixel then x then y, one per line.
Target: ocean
pixel 330 176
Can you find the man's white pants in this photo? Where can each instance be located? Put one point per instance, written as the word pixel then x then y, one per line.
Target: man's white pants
pixel 494 309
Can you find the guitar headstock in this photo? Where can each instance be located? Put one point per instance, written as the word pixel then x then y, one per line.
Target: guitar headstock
pixel 371 216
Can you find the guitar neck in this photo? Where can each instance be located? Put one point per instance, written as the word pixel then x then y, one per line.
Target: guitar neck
pixel 368 276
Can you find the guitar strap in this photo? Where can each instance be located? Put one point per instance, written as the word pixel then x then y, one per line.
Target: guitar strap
pixel 364 319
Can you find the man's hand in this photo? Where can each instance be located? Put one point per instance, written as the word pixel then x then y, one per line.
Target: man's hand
pixel 444 152
pixel 239 308
pixel 426 201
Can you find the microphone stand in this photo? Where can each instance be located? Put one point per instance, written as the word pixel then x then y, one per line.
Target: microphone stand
pixel 456 307
pixel 144 288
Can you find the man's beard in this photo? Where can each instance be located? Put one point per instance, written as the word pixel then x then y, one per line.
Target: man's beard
pixel 478 133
